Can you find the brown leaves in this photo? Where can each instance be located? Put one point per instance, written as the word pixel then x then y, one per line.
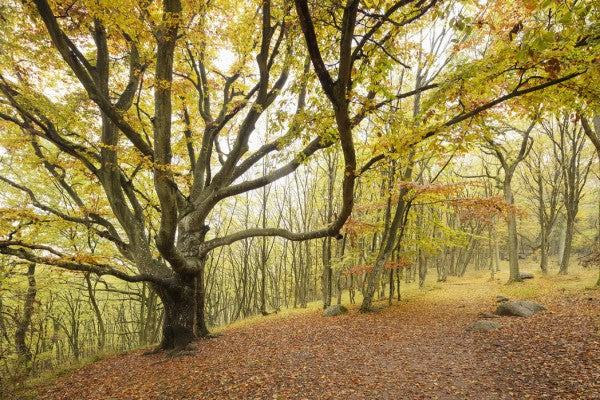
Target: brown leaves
pixel 552 67
pixel 591 260
pixel 414 350
pixel 485 209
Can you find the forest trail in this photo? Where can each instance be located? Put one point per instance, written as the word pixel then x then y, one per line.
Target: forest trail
pixel 417 349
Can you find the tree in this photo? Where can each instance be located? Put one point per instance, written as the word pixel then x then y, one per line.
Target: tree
pixel 509 165
pixel 23 321
pixel 330 170
pixel 543 178
pixel 568 145
pixel 128 140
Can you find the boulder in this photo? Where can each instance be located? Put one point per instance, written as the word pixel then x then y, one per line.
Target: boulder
pixel 535 307
pixel 484 325
pixel 333 310
pixel 501 299
pixel 519 308
pixel 526 275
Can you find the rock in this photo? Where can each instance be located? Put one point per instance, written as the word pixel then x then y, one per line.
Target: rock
pixel 484 325
pixel 535 307
pixel 336 309
pixel 501 299
pixel 526 275
pixel 519 308
pixel 513 309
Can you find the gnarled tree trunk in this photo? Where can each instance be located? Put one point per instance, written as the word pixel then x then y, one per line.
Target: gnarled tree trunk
pixel 183 312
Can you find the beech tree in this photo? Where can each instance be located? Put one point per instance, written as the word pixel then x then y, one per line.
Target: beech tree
pixel 508 165
pixel 568 146
pixel 543 179
pixel 132 140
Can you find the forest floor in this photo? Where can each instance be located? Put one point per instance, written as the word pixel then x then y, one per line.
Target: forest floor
pixel 416 349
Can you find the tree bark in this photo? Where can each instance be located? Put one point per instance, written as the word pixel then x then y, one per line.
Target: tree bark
pixel 97 313
pixel 24 321
pixel 568 244
pixel 513 256
pixel 178 324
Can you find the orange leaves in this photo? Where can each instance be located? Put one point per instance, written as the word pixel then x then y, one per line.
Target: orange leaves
pixel 355 227
pixel 413 350
pixel 359 269
pixel 485 209
pixel 403 261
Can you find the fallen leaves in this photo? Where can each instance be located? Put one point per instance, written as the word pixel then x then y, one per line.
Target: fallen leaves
pixel 415 350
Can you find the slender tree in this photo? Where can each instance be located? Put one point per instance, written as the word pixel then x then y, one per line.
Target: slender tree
pixel 509 165
pixel 569 140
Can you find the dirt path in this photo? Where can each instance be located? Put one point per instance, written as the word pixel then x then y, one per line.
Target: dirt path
pixel 415 350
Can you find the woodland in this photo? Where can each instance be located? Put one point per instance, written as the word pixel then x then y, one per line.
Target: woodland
pixel 170 168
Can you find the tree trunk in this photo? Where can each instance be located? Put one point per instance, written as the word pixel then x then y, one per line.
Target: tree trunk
pixel 568 245
pixel 97 313
pixel 388 243
pixel 543 227
pixel 183 313
pixel 513 256
pixel 263 253
pixel 422 269
pixel 544 252
pixel 178 325
pixel 562 239
pixel 23 322
pixel 327 273
pixel 398 280
pixel 491 253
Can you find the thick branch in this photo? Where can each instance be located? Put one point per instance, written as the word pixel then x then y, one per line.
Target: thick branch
pixel 164 182
pixel 78 65
pixel 313 49
pixel 21 250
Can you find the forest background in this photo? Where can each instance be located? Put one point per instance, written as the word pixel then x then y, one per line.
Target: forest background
pixel 171 167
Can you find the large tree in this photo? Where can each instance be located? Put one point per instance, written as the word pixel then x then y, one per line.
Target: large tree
pixel 136 162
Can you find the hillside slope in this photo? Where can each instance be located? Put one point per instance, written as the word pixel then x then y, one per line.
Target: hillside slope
pixel 417 349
